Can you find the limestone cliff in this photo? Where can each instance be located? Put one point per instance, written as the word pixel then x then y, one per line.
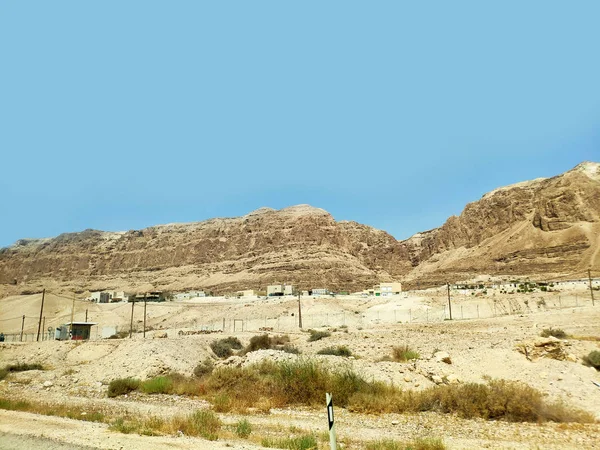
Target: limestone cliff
pixel 546 227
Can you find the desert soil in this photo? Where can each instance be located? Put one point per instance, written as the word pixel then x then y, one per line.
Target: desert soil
pixel 78 374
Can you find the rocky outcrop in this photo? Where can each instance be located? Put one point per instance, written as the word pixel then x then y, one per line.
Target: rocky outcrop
pixel 544 227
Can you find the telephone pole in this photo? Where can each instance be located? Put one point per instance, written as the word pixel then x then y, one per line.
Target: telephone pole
pixel 591 289
pixel 72 315
pixel 299 311
pixel 449 302
pixel 131 323
pixel 22 326
pixel 41 313
pixel 145 318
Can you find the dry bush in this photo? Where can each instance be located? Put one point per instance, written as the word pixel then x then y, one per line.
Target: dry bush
pixel 223 348
pixel 340 350
pixel 305 442
pixel 417 444
pixel 317 335
pixel 122 386
pixel 202 423
pixel 554 332
pixel 403 353
pixel 497 400
pixel 204 368
pixel 266 342
pixel 593 359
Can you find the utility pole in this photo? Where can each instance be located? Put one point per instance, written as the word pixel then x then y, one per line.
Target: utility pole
pixel 41 313
pixel 86 314
pixel 145 318
pixel 131 323
pixel 449 302
pixel 72 315
pixel 22 326
pixel 591 290
pixel 299 312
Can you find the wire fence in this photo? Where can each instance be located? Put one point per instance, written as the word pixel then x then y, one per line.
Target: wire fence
pixel 458 310
pixel 462 308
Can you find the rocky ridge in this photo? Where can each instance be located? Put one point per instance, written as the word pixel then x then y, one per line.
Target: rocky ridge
pixel 546 228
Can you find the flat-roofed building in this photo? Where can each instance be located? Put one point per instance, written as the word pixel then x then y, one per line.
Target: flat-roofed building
pixel 387 289
pixel 274 290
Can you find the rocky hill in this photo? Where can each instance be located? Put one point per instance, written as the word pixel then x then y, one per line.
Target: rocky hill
pixel 544 228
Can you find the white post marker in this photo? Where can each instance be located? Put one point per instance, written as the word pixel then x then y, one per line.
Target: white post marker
pixel 329 400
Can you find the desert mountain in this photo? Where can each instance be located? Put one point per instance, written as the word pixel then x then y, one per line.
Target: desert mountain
pixel 541 228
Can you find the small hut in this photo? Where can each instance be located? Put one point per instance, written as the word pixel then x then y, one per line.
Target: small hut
pixel 76 331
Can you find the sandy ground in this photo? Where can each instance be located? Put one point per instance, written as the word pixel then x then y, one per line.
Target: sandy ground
pixel 79 372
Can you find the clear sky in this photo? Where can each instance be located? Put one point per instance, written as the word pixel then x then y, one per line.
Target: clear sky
pixel 118 115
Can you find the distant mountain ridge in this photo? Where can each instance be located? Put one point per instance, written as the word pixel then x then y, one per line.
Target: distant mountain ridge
pixel 545 228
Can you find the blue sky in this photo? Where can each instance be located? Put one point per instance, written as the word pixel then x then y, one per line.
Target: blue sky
pixel 122 115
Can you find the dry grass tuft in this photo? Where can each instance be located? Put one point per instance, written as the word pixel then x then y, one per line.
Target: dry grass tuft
pixel 403 353
pixel 417 444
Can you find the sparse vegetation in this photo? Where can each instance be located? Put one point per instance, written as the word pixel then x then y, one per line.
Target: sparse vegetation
pixel 302 382
pixel 593 359
pixel 317 335
pixel 340 350
pixel 305 442
pixel 122 386
pixel 19 367
pixel 496 400
pixel 71 412
pixel 404 353
pixel 417 444
pixel 554 332
pixel 201 423
pixel 243 428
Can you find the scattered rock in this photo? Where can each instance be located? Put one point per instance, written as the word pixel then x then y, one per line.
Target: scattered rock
pixel 48 384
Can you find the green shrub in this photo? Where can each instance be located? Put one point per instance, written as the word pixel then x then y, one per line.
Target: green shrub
pixel 3 374
pixel 555 332
pixel 204 368
pixel 243 428
pixel 404 353
pixel 122 386
pixel 223 348
pixel 317 335
pixel 306 442
pixel 340 350
pixel 157 385
pixel 593 359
